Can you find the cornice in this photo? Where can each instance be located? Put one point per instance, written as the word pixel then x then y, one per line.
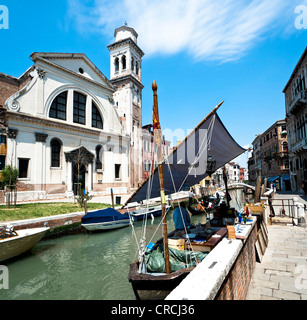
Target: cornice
pixel 126 78
pixel 60 125
pixel 126 41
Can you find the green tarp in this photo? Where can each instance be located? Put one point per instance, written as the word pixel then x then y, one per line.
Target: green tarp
pixel 179 259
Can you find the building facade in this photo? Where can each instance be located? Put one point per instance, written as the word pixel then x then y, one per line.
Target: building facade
pixel 65 126
pixel 275 161
pixel 150 152
pixel 296 115
pixel 257 159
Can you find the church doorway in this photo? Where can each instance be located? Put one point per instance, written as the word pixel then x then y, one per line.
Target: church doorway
pixel 78 177
pixel 80 169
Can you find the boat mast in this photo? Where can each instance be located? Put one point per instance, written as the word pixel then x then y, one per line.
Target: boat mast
pixel 158 138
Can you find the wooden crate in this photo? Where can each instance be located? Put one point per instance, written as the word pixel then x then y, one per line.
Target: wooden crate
pixel 178 244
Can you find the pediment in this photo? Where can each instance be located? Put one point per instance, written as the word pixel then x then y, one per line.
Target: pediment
pixel 77 63
pixel 80 155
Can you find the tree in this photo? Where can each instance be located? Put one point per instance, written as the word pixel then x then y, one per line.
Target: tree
pixel 9 177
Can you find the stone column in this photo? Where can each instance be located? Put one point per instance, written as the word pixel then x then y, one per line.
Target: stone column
pixel 69 106
pixel 40 160
pixel 12 135
pixel 69 178
pixel 89 177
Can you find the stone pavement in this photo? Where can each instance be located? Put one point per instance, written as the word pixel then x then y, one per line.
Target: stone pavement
pixel 282 273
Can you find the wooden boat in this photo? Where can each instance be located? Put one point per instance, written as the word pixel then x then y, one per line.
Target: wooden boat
pixel 207 205
pixel 154 286
pixel 105 219
pixel 151 212
pixel 197 211
pixel 176 172
pixel 157 286
pixel 19 242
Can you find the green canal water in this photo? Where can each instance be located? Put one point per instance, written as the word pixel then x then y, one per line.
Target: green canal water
pixel 83 266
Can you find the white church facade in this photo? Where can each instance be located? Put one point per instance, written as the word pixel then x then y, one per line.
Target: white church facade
pixel 67 126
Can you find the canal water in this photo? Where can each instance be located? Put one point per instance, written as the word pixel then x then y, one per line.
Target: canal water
pixel 83 266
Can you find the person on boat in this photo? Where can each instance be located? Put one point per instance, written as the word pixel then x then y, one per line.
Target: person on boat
pixel 181 217
pixel 191 195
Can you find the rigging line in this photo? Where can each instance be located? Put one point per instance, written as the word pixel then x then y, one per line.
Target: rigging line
pixel 198 157
pixel 188 240
pixel 144 226
pixel 133 231
pixel 150 182
pixel 210 129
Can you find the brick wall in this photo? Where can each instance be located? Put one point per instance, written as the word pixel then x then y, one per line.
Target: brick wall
pixel 236 284
pixel 53 223
pixel 10 85
pixel 7 88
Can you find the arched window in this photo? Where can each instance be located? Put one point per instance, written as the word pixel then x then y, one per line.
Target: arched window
pixel 116 63
pixel 55 153
pixel 96 117
pixel 132 64
pixel 99 157
pixel 79 107
pixel 58 107
pixel 124 62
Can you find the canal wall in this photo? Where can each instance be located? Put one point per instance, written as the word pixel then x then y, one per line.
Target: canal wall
pixel 224 274
pixel 236 283
pixel 59 225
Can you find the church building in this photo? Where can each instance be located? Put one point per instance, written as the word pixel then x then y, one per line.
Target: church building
pixel 66 127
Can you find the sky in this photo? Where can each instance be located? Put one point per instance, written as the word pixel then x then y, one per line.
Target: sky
pixel 200 52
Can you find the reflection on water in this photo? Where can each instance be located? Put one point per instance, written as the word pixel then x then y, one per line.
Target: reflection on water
pixel 84 266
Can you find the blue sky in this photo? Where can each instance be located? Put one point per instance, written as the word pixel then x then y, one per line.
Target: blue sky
pixel 200 52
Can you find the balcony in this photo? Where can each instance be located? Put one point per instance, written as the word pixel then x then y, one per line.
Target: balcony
pixel 297 102
pixel 281 154
pixel 300 145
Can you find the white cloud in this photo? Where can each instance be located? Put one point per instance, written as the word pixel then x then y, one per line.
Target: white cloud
pixel 206 29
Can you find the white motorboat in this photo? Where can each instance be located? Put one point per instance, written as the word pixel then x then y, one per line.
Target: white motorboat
pixel 150 212
pixel 21 242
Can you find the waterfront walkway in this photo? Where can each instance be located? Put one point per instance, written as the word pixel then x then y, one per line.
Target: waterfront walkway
pixel 282 273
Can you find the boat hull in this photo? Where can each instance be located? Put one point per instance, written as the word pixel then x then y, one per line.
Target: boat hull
pixel 151 212
pixel 195 211
pixel 25 241
pixel 106 225
pixel 154 287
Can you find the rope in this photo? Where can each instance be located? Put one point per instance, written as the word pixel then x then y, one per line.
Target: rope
pixel 201 150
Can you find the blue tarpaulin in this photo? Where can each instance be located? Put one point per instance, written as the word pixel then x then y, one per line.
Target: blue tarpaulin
pixel 103 215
